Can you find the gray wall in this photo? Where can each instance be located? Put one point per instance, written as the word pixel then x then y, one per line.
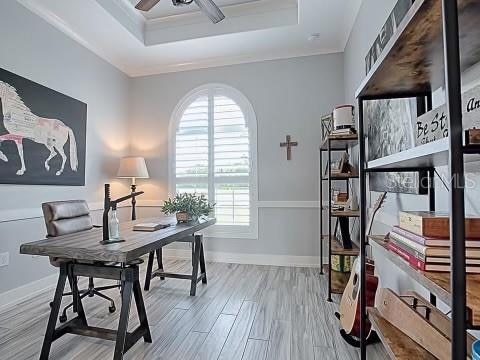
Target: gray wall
pixel 288 96
pixel 35 50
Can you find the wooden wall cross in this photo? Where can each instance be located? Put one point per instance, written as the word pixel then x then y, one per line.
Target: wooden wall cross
pixel 288 144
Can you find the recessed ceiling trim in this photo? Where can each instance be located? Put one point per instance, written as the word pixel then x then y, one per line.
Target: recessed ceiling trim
pixel 195 25
pixel 251 8
pixel 257 15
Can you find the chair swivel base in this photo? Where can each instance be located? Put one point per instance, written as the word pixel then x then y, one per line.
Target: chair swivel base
pixel 90 292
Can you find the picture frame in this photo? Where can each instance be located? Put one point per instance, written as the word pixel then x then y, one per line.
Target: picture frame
pixel 326 122
pixel 390 137
pixel 339 166
pixel 42 134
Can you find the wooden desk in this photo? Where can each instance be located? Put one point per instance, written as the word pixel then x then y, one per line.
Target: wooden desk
pixel 85 247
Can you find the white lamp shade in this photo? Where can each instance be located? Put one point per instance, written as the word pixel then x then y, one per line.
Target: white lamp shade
pixel 133 167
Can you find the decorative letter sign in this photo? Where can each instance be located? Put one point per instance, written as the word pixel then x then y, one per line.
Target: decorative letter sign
pixel 434 124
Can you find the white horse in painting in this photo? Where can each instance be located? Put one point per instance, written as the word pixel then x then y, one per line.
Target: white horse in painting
pixel 21 124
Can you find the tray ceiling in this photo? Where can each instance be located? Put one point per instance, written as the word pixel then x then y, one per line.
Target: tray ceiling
pixel 169 39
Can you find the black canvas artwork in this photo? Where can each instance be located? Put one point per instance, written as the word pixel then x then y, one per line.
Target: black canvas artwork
pixel 391 129
pixel 42 134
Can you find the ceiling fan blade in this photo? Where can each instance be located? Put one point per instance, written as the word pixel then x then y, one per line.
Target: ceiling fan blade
pixel 146 5
pixel 211 10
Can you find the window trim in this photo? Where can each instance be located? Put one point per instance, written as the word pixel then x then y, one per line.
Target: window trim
pixel 220 231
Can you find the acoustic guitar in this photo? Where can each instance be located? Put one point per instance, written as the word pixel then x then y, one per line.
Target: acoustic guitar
pixel 350 304
pixel 349 314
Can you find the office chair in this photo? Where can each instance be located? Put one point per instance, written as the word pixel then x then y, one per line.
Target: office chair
pixel 68 217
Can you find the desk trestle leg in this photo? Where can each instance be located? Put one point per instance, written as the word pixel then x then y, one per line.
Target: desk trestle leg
pixel 55 309
pixel 198 262
pixel 124 340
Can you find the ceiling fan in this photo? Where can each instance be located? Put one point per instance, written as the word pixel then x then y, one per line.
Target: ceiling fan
pixel 207 6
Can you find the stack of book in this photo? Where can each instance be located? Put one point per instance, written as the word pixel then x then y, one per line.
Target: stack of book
pixel 346 131
pixel 422 239
pixel 149 227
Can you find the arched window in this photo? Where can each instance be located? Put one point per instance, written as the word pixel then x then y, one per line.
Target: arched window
pixel 213 152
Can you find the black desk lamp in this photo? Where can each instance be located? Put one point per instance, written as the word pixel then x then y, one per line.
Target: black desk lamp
pixel 133 167
pixel 112 204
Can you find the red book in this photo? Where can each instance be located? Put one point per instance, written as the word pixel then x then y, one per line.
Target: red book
pixel 410 258
pixel 420 265
pixel 431 241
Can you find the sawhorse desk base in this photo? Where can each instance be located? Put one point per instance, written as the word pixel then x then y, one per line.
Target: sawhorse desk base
pixel 129 276
pixel 198 261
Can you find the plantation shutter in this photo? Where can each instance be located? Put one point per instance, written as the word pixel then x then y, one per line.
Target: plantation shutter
pixel 213 156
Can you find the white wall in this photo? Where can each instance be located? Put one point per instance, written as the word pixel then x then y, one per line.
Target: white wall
pixel 33 49
pixel 288 96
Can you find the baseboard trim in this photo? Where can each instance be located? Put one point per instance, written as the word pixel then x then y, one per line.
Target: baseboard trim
pixel 248 259
pixel 17 295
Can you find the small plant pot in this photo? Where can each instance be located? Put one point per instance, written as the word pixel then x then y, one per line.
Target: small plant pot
pixel 182 217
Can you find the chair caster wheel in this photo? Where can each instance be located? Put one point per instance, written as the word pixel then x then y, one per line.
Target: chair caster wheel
pixel 112 309
pixel 63 318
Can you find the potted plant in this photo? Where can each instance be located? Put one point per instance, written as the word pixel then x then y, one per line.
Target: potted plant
pixel 187 207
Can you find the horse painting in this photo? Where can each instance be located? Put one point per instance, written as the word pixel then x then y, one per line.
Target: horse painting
pixel 22 124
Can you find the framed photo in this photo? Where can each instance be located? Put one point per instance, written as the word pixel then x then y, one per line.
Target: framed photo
pixel 390 137
pixel 340 166
pixel 326 122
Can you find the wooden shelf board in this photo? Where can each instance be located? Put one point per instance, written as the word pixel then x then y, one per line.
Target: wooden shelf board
pixel 345 213
pixel 342 177
pixel 433 154
pixel 412 62
pixel 339 280
pixel 438 283
pixel 339 142
pixel 398 345
pixel 429 155
pixel 423 156
pixel 338 249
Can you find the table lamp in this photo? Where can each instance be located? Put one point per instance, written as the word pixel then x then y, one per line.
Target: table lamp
pixel 133 167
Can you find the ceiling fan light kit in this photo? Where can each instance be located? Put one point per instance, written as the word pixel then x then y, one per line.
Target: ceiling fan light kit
pixel 208 7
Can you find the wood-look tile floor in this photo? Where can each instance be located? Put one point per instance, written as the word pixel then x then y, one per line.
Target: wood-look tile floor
pixel 245 312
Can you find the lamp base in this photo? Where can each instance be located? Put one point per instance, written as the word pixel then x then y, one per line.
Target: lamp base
pixel 134 202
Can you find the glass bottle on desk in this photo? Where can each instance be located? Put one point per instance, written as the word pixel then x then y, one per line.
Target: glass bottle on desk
pixel 114 225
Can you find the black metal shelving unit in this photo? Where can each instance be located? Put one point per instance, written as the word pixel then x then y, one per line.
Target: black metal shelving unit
pixel 335 143
pixel 412 65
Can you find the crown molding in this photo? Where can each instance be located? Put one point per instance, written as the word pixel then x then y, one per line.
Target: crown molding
pixel 224 61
